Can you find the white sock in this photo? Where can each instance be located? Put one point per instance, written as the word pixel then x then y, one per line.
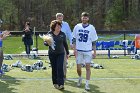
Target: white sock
pixel 87 82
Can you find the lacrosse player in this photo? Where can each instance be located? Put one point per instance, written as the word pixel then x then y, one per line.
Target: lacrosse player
pixel 84 37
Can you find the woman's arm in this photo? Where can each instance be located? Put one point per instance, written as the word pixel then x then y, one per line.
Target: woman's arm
pixel 66 45
pixel 28 31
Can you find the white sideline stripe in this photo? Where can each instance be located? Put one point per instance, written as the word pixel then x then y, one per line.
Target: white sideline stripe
pixel 125 78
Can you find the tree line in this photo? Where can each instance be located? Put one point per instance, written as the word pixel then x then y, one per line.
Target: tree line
pixel 104 14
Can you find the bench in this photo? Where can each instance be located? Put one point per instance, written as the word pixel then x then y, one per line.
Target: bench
pixel 116 45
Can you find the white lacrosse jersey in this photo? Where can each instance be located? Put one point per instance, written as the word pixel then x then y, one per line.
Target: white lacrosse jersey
pixel 84 37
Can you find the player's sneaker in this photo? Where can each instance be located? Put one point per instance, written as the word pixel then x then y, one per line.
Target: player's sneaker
pixel 87 87
pixel 79 82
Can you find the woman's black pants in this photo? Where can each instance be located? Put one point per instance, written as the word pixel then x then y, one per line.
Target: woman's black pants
pixel 28 49
pixel 57 61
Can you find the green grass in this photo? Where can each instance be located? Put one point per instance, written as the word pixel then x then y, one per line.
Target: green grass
pixel 14 45
pixel 114 68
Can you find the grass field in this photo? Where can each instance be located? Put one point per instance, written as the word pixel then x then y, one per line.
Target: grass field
pixel 14 45
pixel 119 76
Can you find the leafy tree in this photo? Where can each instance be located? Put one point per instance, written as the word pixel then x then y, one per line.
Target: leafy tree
pixel 115 14
pixel 8 13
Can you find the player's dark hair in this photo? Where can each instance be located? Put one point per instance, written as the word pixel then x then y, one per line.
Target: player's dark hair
pixel 53 24
pixel 86 14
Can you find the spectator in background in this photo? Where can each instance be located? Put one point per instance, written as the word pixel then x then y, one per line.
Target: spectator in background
pixel 66 29
pixel 27 38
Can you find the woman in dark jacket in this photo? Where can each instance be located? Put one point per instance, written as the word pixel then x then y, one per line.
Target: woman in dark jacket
pixel 56 54
pixel 27 37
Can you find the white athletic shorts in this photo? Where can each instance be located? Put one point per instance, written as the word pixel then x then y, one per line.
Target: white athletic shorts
pixel 83 57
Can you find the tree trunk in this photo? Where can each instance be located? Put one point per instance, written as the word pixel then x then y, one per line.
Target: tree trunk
pixel 126 8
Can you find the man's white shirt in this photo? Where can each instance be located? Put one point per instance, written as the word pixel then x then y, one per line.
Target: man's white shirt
pixel 84 37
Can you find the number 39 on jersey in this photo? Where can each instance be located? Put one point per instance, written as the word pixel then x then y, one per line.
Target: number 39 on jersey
pixel 83 35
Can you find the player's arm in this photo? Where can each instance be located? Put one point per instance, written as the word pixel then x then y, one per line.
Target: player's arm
pixel 74 43
pixel 74 38
pixel 94 48
pixel 94 38
pixel 74 46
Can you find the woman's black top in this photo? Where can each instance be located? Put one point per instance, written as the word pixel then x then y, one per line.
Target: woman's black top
pixel 28 37
pixel 60 43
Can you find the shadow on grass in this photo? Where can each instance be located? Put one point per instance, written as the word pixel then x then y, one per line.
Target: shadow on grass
pixel 6 83
pixel 65 91
pixel 94 88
